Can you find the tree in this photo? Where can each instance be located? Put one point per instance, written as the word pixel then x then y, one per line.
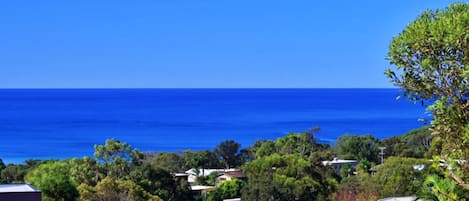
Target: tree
pixel 118 158
pixel 431 62
pixel 228 152
pixel 294 143
pixel 53 179
pixel 200 159
pixel 357 188
pixel 169 161
pixel 227 190
pixel 13 173
pixel 85 171
pixel 285 177
pixel 358 147
pixel 116 190
pixel 158 181
pixel 414 144
pixel 402 176
pixel 439 189
pixel 2 165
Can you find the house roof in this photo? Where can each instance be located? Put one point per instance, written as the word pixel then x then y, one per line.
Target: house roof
pixel 16 188
pixel 235 174
pixel 181 175
pixel 408 198
pixel 199 188
pixel 338 161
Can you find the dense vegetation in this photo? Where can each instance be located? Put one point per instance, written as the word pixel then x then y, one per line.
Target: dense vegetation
pixel 288 168
pixel 432 66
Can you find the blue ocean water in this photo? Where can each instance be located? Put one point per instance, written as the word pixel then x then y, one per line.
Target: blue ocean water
pixel 60 123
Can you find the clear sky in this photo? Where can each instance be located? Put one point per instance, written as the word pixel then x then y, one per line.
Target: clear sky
pixel 198 43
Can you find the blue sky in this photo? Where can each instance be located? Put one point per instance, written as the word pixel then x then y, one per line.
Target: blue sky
pixel 182 44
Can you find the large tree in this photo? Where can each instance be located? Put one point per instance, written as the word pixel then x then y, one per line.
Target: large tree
pixel 285 177
pixel 53 179
pixel 228 152
pixel 358 147
pixel 431 65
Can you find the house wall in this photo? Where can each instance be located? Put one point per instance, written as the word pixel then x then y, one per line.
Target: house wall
pixel 21 196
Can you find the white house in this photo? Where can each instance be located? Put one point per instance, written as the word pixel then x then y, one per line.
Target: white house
pixel 337 164
pixel 19 192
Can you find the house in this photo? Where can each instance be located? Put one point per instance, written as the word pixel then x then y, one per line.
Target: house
pixel 408 198
pixel 19 192
pixel 337 164
pixel 181 176
pixel 194 173
pixel 198 191
pixel 230 175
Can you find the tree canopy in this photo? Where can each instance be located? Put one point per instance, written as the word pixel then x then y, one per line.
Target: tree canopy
pixel 358 147
pixel 431 65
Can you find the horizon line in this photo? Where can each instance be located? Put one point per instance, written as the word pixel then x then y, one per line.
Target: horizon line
pixel 8 88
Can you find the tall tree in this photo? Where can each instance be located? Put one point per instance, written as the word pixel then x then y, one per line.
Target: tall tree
pixel 402 176
pixel 294 143
pixel 358 147
pixel 228 151
pixel 431 59
pixel 53 179
pixel 117 157
pixel 285 177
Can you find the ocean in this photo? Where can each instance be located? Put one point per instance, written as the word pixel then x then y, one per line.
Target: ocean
pixel 62 123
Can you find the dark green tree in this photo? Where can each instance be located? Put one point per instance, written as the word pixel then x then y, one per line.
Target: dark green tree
pixel 13 173
pixel 160 182
pixel 172 162
pixel 228 152
pixel 358 147
pixel 2 165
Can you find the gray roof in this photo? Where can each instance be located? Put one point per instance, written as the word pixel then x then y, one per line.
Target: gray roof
pixel 15 188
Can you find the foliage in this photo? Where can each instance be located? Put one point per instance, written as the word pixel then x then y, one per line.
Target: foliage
pixel 53 179
pixel 363 167
pixel 158 181
pixel 402 176
pixel 171 162
pixel 294 143
pixel 116 190
pixel 436 188
pixel 227 190
pixel 416 143
pixel 228 152
pixel 432 64
pixel 2 165
pixel 284 177
pixel 248 154
pixel 209 180
pixel 85 171
pixel 13 174
pixel 118 158
pixel 200 159
pixel 357 188
pixel 358 147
